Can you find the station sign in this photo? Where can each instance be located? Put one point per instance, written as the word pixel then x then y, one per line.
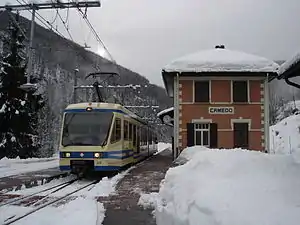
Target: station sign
pixel 221 110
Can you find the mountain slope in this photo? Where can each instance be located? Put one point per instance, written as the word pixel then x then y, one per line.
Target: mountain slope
pixel 55 59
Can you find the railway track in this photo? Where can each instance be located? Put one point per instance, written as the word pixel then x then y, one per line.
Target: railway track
pixel 90 185
pixel 58 186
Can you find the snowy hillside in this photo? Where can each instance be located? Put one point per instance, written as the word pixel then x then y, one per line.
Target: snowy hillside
pixel 285 136
pixel 230 187
pixel 287 109
pixel 55 59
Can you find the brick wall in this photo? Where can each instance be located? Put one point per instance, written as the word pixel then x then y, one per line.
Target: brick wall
pixel 221 96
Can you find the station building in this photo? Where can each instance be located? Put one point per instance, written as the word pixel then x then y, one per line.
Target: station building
pixel 221 99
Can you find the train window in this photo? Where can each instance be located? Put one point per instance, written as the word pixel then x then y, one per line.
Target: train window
pixel 144 136
pixel 118 129
pixel 130 131
pixel 126 135
pixel 134 134
pixel 150 137
pixel 116 133
pixel 113 134
pixel 138 138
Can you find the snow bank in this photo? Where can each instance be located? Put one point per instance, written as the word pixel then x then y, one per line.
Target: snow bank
pixel 285 137
pixel 148 200
pixel 217 60
pixel 230 187
pixel 10 167
pixel 107 186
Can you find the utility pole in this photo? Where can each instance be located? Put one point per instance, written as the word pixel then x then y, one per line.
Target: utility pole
pixel 30 53
pixel 75 85
pixel 41 6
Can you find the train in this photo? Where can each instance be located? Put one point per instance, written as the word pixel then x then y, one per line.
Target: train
pixel 103 137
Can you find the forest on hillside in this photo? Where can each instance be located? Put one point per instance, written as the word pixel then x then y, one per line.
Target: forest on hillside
pixel 54 62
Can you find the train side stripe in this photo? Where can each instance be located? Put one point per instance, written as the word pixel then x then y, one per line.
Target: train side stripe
pixel 96 110
pixel 107 168
pixel 97 168
pixel 105 155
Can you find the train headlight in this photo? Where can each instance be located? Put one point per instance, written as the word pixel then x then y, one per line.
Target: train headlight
pixel 97 155
pixel 68 155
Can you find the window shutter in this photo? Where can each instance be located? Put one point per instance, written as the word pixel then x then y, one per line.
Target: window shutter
pixel 241 135
pixel 190 134
pixel 213 135
pixel 240 91
pixel 201 91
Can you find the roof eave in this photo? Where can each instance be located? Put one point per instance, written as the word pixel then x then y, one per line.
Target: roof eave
pixel 292 71
pixel 168 82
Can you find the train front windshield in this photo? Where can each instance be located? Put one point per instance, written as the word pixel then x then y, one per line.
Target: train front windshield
pixel 86 129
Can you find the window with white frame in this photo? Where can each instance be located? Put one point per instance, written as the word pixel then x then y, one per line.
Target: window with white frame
pixel 201 134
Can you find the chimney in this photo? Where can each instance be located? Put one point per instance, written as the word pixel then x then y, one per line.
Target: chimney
pixel 220 46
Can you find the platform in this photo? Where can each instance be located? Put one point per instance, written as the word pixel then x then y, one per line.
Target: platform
pixel 122 208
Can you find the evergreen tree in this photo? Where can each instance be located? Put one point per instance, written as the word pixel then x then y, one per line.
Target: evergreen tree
pixel 18 112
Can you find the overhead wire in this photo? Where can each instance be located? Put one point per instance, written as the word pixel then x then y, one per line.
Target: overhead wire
pixel 64 23
pixel 67 17
pixel 95 33
pixel 54 19
pixel 99 40
pixel 42 20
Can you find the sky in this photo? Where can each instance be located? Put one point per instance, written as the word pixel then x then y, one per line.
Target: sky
pixel 145 35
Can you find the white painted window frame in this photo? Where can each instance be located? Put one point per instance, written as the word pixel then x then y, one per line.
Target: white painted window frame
pixel 201 130
pixel 241 120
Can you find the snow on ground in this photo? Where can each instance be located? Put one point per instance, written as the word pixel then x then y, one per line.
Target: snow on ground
pixel 148 200
pixel 287 109
pixel 32 190
pixel 285 137
pixel 83 210
pixel 80 211
pixel 163 146
pixel 217 60
pixel 107 186
pixel 10 167
pixel 229 187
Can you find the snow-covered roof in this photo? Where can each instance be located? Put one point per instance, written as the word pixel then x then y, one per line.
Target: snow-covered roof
pixel 221 60
pixel 165 111
pixel 217 60
pixel 288 64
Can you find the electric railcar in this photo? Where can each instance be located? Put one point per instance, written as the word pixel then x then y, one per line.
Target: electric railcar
pixel 103 137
